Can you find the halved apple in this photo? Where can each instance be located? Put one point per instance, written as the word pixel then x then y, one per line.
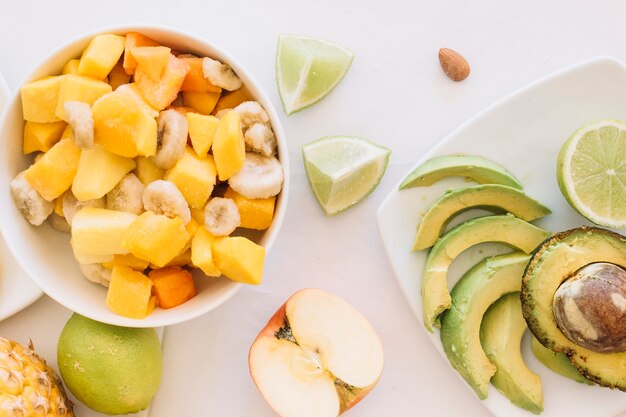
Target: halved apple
pixel 316 357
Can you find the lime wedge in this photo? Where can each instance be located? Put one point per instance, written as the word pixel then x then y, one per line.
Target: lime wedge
pixel 343 170
pixel 591 172
pixel 307 69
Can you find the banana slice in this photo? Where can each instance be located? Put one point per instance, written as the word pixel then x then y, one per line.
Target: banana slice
pixel 80 119
pixel 163 197
pixel 127 195
pixel 220 75
pixel 172 130
pixel 260 139
pixel 96 273
pixel 260 177
pixel 71 205
pixel 221 216
pixel 28 201
pixel 251 112
pixel 59 223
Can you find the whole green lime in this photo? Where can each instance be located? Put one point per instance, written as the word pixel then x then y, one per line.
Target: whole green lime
pixel 111 369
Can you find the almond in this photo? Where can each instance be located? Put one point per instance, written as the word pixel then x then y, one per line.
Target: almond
pixel 453 64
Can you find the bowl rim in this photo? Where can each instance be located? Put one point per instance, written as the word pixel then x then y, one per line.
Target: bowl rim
pixel 269 236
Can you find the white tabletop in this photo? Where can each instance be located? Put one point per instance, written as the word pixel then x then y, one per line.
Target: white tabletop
pixel 394 94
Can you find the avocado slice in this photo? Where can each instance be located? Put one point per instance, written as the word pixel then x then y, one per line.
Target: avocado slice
pixel 552 263
pixel 506 229
pixel 495 197
pixel 479 288
pixel 501 335
pixel 556 361
pixel 476 168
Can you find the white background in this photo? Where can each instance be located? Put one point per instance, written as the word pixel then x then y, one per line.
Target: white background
pixel 394 94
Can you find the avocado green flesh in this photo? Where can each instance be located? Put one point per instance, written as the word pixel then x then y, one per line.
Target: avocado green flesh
pixel 557 362
pixel 501 333
pixel 506 229
pixel 476 168
pixel 551 264
pixel 491 196
pixel 480 287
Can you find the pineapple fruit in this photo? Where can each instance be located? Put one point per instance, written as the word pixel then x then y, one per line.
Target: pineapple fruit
pixel 101 55
pixel 53 174
pixel 78 88
pixel 201 132
pixel 41 136
pixel 40 98
pixel 130 293
pixel 194 177
pixel 147 171
pixel 229 149
pixel 98 172
pixel 239 258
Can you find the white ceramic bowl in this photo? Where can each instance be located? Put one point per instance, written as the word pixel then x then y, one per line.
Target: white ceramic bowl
pixel 45 254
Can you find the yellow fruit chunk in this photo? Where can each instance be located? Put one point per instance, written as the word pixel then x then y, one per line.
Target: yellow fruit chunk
pixel 160 93
pixel 202 102
pixel 152 59
pixel 229 149
pixel 71 67
pixel 133 92
pixel 255 213
pixel 156 238
pixel 101 55
pixel 122 127
pixel 197 214
pixel 232 99
pixel 202 253
pixel 41 136
pixel 182 259
pixel 118 76
pixel 239 259
pixel 39 100
pixel 147 171
pixel 98 172
pixel 53 174
pixel 58 206
pixel 128 260
pixel 202 131
pixel 67 133
pixel 194 177
pixel 77 88
pixel 130 293
pixel 98 232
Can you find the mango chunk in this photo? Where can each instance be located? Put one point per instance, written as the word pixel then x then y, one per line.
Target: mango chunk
pixel 201 132
pixel 53 174
pixel 40 98
pixel 147 171
pixel 197 214
pixel 162 92
pixel 98 232
pixel 152 59
pixel 194 80
pixel 98 172
pixel 101 55
pixel 156 238
pixel 71 67
pixel 182 259
pixel 172 286
pixel 131 90
pixel 232 99
pixel 134 39
pixel 77 88
pixel 58 206
pixel 130 293
pixel 229 149
pixel 122 127
pixel 128 260
pixel 118 76
pixel 203 103
pixel 194 177
pixel 41 136
pixel 239 259
pixel 255 213
pixel 202 253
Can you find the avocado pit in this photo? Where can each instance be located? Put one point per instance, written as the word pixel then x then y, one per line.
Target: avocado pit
pixel 590 307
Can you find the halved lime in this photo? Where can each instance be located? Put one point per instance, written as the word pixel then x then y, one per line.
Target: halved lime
pixel 591 172
pixel 343 170
pixel 307 69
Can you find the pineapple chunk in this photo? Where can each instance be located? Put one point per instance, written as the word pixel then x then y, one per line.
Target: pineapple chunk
pixel 71 67
pixel 182 259
pixel 118 76
pixel 156 238
pixel 162 92
pixel 130 293
pixel 147 171
pixel 197 214
pixel 134 39
pixel 133 92
pixel 202 253
pixel 203 103
pixel 239 259
pixel 39 99
pixel 232 99
pixel 77 88
pixel 195 80
pixel 128 260
pixel 255 214
pixel 151 59
pixel 98 172
pixel 53 174
pixel 194 177
pixel 229 149
pixel 41 136
pixel 122 127
pixel 98 232
pixel 101 55
pixel 202 131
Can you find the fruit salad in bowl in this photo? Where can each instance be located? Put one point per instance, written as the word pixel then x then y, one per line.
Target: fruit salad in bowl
pixel 144 176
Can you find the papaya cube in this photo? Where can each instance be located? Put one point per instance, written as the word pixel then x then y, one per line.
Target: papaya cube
pixel 194 177
pixel 162 92
pixel 128 260
pixel 147 171
pixel 172 286
pixel 202 252
pixel 130 293
pixel 201 132
pixel 195 80
pixel 39 99
pixel 134 39
pixel 101 55
pixel 53 174
pixel 122 127
pixel 118 76
pixel 77 88
pixel 71 67
pixel 98 172
pixel 229 149
pixel 151 59
pixel 41 136
pixel 239 259
pixel 203 103
pixel 232 99
pixel 156 238
pixel 255 213
pixel 98 232
pixel 131 90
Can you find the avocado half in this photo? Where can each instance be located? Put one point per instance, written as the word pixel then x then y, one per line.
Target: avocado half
pixel 557 362
pixel 551 264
